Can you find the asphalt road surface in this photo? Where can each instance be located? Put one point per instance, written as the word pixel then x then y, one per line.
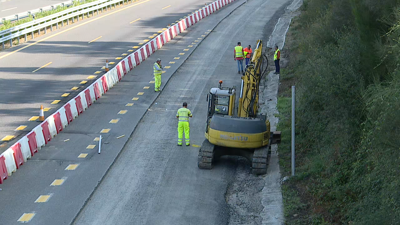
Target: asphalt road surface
pixel 42 70
pixel 141 175
pixel 13 7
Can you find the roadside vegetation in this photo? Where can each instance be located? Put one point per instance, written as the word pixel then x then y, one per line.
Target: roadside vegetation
pixel 344 61
pixel 8 24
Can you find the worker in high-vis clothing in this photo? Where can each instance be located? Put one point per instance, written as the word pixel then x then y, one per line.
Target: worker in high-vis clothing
pixel 157 74
pixel 238 56
pixel 183 115
pixel 277 58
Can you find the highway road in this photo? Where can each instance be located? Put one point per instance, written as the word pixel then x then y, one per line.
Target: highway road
pixel 42 70
pixel 141 175
pixel 13 7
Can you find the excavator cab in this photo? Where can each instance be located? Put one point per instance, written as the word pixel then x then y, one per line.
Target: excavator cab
pixel 221 101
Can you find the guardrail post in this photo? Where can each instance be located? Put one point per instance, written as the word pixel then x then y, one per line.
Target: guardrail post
pixel 11 43
pixel 26 37
pixel 45 30
pixel 33 34
pixel 17 17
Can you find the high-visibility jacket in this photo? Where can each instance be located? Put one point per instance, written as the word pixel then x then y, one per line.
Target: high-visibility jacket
pixel 239 51
pixel 247 52
pixel 277 54
pixel 183 114
pixel 157 69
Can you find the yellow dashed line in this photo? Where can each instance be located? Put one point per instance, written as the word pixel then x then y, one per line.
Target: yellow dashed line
pixel 171 62
pixel 90 146
pixel 140 93
pixel 41 67
pixel 55 102
pixel 104 131
pixel 160 31
pixel 8 138
pixel 92 76
pixel 26 217
pixel 199 38
pixel 74 88
pixel 124 54
pixel 186 49
pixel 164 29
pixel 154 35
pixel 152 82
pixel 194 43
pixel 135 98
pixel 95 39
pixel 166 7
pixel 146 87
pixel 114 121
pixel 122 111
pixel 151 37
pixel 33 118
pixel 118 58
pixel 190 46
pixel 72 167
pixel 46 109
pixel 57 182
pixel 146 40
pixel 140 43
pixel 65 95
pixel 167 67
pixel 43 198
pixel 129 104
pixel 135 20
pixel 196 40
pixel 136 47
pixel 83 82
pixel 164 71
pixel 130 50
pixel 197 146
pixel 96 139
pixel 82 155
pixel 203 35
pixel 22 127
pixel 111 63
pixel 97 72
pixel 181 53
pixel 177 58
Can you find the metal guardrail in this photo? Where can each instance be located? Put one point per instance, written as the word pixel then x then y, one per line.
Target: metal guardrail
pixel 49 21
pixel 26 14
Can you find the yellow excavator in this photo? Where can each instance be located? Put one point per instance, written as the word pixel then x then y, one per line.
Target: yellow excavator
pixel 239 131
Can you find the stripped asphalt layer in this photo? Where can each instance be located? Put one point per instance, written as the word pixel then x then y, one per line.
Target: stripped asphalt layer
pixel 76 54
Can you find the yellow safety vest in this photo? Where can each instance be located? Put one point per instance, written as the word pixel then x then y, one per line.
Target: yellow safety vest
pixel 183 114
pixel 239 51
pixel 156 71
pixel 276 54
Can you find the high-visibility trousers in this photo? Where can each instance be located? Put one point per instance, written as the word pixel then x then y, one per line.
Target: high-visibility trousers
pixel 157 82
pixel 183 126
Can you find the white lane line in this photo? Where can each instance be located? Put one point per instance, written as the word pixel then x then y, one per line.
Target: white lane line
pixel 8 9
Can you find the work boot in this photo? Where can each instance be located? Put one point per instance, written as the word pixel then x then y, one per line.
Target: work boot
pixel 187 144
pixel 238 72
pixel 179 144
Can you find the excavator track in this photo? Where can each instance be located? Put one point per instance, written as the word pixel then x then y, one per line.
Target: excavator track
pixel 260 160
pixel 206 155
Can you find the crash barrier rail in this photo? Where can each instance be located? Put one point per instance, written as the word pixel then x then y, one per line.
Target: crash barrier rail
pixel 32 12
pixel 30 144
pixel 29 28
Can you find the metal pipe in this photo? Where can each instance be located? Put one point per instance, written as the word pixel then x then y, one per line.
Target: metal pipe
pixel 293 131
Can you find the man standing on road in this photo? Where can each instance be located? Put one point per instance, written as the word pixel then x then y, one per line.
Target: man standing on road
pixel 238 56
pixel 157 75
pixel 248 53
pixel 277 57
pixel 183 115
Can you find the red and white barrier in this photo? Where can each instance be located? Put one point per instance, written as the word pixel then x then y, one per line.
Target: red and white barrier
pixel 27 146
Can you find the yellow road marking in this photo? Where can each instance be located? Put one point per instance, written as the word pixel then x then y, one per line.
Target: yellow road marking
pixel 177 58
pixel 65 95
pixel 166 7
pixel 46 109
pixel 43 198
pixel 164 29
pixel 164 71
pixel 26 217
pixel 196 40
pixel 136 47
pixel 135 98
pixel 151 37
pixel 82 155
pixel 33 118
pixel 190 46
pixel 167 67
pixel 181 53
pixel 57 182
pixel 122 112
pixel 154 34
pixel 97 72
pixel 74 88
pixel 124 54
pixel 118 58
pixel 39 67
pixel 203 35
pixel 130 50
pixel 146 87
pixel 95 39
pixel 105 131
pixel 55 102
pixel 140 93
pixel 22 127
pixel 92 76
pixel 90 146
pixel 129 104
pixel 79 25
pixel 96 139
pixel 8 138
pixel 197 146
pixel 111 63
pixel 135 20
pixel 145 40
pixel 152 82
pixel 194 43
pixel 83 82
pixel 114 121
pixel 160 31
pixel 186 49
pixel 199 38
pixel 171 62
pixel 72 167
pixel 140 43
